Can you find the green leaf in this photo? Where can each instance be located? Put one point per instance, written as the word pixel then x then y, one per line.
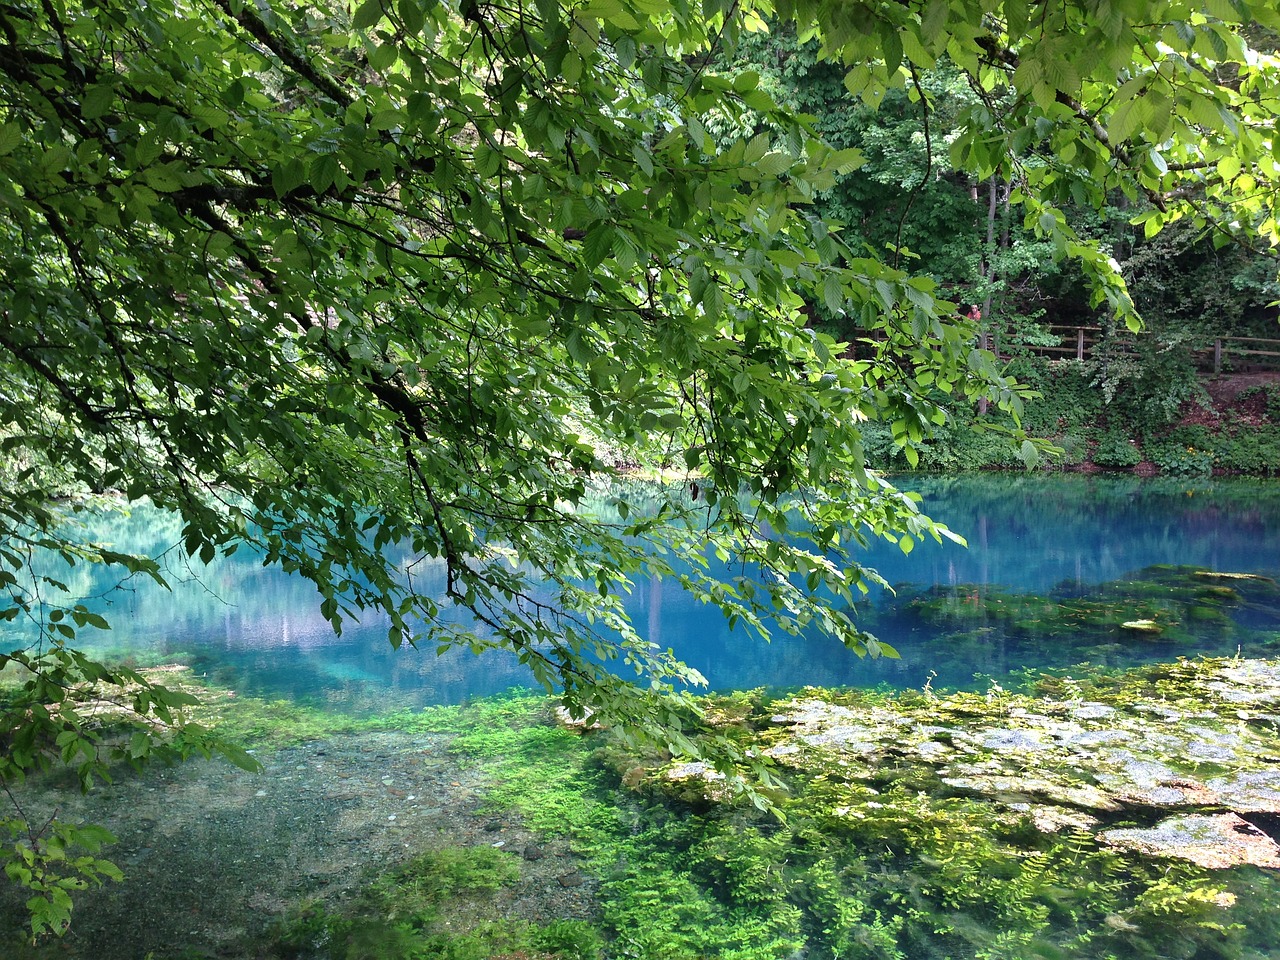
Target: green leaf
pixel 411 16
pixel 933 21
pixel 324 171
pixel 240 757
pixel 773 164
pixel 1124 122
pixel 163 178
pixel 1045 96
pixel 625 49
pixel 1016 17
pixel 367 15
pixel 98 99
pixel 10 138
pixel 384 56
pixel 643 159
pixel 571 67
pixel 915 51
pixel 1028 454
pixel 833 294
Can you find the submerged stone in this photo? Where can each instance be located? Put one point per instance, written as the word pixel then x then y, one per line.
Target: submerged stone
pixel 1008 789
pixel 1058 819
pixel 1214 575
pixel 1255 791
pixel 1070 764
pixel 1142 626
pixel 694 770
pixel 1012 741
pixel 1214 841
pixel 1247 681
pixel 1091 711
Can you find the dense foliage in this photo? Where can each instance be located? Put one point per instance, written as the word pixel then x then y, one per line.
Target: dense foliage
pixel 1149 412
pixel 915 198
pixel 324 279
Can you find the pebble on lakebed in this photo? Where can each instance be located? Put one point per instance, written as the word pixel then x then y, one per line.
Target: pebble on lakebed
pixel 1142 626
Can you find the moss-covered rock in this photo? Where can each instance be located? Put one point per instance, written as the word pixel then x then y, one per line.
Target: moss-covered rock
pixel 1128 747
pixel 1215 841
pixel 1105 815
pixel 1143 615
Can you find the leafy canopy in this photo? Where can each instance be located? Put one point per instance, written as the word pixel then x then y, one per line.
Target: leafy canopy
pixel 325 279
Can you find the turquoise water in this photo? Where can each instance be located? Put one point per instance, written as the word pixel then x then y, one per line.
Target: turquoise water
pixel 261 632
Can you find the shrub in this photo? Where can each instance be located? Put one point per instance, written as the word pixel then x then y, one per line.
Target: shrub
pixel 1177 460
pixel 1075 447
pixel 1114 449
pixel 1270 392
pixel 1252 450
pixel 1068 395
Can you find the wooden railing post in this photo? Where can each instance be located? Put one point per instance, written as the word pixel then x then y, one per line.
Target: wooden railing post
pixel 1217 356
pixel 1080 343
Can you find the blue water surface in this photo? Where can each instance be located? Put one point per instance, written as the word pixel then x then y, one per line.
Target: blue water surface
pixel 260 631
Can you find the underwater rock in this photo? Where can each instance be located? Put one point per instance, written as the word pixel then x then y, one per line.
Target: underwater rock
pixel 1067 764
pixel 1211 746
pixel 782 750
pixel 1256 791
pixel 698 781
pixel 694 769
pixel 1011 741
pixel 932 750
pixel 1091 711
pixel 1142 626
pixel 821 724
pixel 1058 819
pixel 1247 681
pixel 1213 575
pixel 1084 741
pixel 1007 788
pixel 1213 841
pixel 1144 781
pixel 584 724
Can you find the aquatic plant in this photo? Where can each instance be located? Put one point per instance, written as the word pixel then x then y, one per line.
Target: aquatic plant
pixel 408 914
pixel 1149 614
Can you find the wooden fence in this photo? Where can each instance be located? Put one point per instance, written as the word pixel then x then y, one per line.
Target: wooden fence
pixel 1237 354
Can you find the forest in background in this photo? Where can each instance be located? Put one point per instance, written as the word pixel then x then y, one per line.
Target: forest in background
pixel 912 200
pixel 1141 402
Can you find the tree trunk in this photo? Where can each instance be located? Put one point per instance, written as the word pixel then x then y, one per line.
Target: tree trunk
pixel 987 270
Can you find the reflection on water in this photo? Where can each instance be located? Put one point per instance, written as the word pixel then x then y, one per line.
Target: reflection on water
pixel 261 631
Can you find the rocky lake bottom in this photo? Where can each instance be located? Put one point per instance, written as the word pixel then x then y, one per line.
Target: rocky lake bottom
pixel 215 857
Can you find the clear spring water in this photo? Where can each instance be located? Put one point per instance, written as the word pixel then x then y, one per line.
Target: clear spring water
pixel 260 631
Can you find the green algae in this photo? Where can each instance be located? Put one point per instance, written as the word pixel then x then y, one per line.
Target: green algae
pixel 875 855
pixel 1150 614
pixel 1008 863
pixel 411 913
pixel 913 826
